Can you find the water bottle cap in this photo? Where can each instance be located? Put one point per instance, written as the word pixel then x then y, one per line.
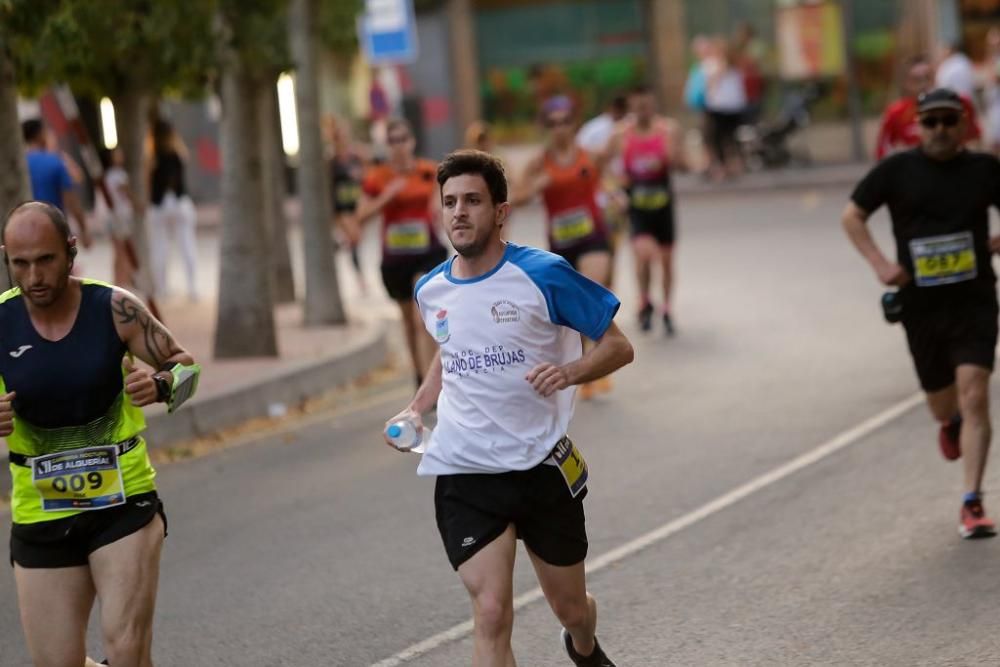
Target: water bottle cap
pixel 394 431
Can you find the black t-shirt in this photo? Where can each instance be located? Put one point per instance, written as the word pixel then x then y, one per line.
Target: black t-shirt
pixel 940 213
pixel 168 176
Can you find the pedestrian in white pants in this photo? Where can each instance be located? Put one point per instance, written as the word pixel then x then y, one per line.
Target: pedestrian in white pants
pixel 171 211
pixel 173 217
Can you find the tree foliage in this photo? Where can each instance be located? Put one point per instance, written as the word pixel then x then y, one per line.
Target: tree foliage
pixel 256 31
pixel 338 25
pixel 107 46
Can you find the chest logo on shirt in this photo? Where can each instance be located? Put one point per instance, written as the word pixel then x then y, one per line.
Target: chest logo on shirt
pixel 19 351
pixel 441 327
pixel 647 164
pixel 494 359
pixel 504 311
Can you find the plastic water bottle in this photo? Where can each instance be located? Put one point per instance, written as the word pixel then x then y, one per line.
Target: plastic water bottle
pixel 404 436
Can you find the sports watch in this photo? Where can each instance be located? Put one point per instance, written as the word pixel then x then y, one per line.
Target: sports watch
pixel 162 389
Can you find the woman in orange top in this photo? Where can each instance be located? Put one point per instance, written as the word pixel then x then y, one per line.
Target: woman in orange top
pixel 569 181
pixel 404 190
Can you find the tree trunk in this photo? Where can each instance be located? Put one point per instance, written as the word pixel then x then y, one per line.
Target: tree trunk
pixel 14 184
pixel 274 190
pixel 343 66
pixel 245 324
pixel 323 304
pixel 131 122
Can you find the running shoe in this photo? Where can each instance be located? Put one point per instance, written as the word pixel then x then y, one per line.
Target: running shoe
pixel 973 522
pixel 668 324
pixel 595 659
pixel 646 317
pixel 948 439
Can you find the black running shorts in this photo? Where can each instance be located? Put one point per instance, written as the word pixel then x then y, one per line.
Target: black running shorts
pixel 69 542
pixel 941 341
pixel 659 224
pixel 574 253
pixel 473 510
pixel 399 274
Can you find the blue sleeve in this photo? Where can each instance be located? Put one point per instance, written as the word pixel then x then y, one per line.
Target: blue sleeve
pixel 65 180
pixel 574 300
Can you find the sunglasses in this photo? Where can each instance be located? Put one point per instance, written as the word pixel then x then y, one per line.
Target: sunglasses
pixel 558 122
pixel 399 139
pixel 948 120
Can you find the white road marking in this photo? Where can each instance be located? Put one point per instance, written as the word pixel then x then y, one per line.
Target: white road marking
pixel 825 450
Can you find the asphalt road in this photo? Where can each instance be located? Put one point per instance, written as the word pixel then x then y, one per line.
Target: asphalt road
pixel 318 547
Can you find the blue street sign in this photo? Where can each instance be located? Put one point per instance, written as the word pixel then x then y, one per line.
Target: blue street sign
pixel 388 32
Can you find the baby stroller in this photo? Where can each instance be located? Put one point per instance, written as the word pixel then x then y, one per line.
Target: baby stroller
pixel 767 145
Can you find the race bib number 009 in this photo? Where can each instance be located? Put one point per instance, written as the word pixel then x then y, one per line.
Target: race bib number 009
pixel 571 227
pixel 943 260
pixel 408 238
pixel 81 479
pixel 572 465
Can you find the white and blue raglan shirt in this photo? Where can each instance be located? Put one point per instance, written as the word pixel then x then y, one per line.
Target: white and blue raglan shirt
pixel 531 308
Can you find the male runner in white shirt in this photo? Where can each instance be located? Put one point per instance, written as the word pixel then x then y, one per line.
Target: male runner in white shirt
pixel 508 320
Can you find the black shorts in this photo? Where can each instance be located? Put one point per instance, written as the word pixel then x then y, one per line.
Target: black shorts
pixel 574 253
pixel 658 224
pixel 398 275
pixel 69 542
pixel 940 341
pixel 473 510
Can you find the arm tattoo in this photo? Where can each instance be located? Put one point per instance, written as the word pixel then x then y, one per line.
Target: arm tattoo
pixel 156 338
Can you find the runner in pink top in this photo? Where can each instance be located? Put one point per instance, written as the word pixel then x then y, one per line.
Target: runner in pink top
pixel 650 146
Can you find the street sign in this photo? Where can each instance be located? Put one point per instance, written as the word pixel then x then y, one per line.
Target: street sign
pixel 387 32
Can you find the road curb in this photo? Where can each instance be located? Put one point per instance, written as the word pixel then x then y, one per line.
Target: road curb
pixel 286 388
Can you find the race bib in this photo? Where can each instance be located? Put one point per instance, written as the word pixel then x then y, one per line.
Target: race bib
pixel 572 465
pixel 347 194
pixel 649 197
pixel 81 479
pixel 942 260
pixel 571 227
pixel 408 238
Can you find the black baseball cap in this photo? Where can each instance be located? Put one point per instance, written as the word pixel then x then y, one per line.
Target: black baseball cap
pixel 939 98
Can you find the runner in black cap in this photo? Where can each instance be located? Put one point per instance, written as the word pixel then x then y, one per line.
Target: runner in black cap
pixel 939 195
